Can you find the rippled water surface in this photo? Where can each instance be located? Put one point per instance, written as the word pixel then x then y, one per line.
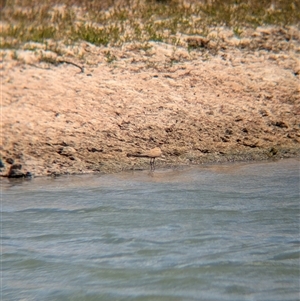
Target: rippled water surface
pixel 223 232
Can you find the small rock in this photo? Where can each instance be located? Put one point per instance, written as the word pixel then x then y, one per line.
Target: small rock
pixel 16 167
pixel 15 171
pixel 280 124
pixel 204 151
pixel 93 150
pixel 10 161
pixel 250 143
pixel 225 139
pixel 67 151
pixel 55 174
pixel 263 113
pixel 273 151
pixel 197 42
pixel 228 132
pixel 28 175
pixel 176 152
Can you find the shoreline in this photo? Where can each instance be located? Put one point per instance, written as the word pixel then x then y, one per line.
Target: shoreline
pixel 160 169
pixel 161 166
pixel 201 105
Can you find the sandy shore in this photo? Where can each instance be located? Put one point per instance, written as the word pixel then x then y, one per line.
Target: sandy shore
pixel 238 103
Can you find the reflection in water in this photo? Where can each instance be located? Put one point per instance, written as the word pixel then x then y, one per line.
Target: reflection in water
pixel 225 232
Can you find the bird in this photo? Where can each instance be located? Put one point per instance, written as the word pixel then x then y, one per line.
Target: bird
pixel 152 154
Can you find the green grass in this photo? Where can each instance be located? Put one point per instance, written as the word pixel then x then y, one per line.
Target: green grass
pixel 113 23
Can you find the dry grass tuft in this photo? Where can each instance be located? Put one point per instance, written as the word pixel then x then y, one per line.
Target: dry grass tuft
pixel 113 23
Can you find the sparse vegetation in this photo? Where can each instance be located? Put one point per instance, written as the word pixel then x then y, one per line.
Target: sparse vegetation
pixel 109 57
pixel 113 23
pixel 237 31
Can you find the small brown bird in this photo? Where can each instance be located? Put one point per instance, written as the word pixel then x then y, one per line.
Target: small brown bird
pixel 152 154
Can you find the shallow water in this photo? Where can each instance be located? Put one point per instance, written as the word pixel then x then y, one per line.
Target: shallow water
pixel 222 232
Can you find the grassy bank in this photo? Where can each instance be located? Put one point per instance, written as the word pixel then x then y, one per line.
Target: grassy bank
pixel 113 23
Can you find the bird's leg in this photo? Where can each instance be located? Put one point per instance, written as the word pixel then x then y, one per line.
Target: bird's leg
pixel 152 163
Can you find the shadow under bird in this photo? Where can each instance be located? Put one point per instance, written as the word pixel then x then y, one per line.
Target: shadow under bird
pixel 152 154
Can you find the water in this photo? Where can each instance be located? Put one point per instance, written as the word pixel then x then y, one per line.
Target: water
pixel 225 232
